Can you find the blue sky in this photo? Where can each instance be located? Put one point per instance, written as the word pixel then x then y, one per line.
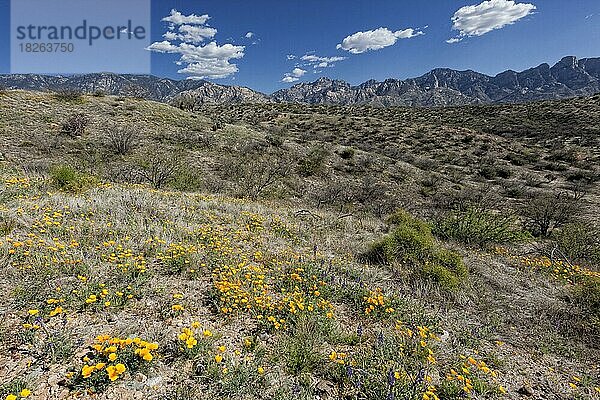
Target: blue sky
pixel 490 37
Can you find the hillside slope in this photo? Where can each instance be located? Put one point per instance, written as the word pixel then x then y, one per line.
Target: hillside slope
pixel 250 270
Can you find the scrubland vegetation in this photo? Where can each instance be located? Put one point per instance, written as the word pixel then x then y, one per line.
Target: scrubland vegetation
pixel 284 251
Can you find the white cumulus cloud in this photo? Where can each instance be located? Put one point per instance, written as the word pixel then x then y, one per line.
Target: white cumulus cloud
pixel 315 58
pixel 177 18
pixel 315 61
pixel 453 40
pixel 191 33
pixel 293 76
pixel 477 20
pixel 184 36
pixel 377 39
pixel 209 69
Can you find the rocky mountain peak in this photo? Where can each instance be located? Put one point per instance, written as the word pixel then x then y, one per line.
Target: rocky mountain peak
pixel 569 77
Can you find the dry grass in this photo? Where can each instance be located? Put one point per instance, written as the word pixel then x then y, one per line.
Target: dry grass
pixel 291 311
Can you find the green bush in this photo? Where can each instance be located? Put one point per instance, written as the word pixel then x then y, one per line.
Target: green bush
pixel 301 349
pixel 313 163
pixel 478 226
pixel 411 243
pixel 585 296
pixel 67 179
pixel 187 181
pixel 440 275
pixel 579 242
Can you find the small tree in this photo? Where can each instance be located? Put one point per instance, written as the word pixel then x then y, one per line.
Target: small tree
pixel 158 169
pixel 257 172
pixel 75 125
pixel 121 138
pixel 545 212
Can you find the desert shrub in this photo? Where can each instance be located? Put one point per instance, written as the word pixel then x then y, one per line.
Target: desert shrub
pixel 478 226
pixel 121 138
pixel 68 95
pixel 488 171
pixel 449 270
pixel 185 103
pixel 585 298
pixel 255 172
pixel 68 179
pixel 275 140
pixel 504 172
pixel 584 177
pixel 217 126
pixel 564 154
pixel 374 196
pixel 545 212
pixel 476 217
pixel 513 189
pixel 578 241
pixel 158 169
pixel 75 125
pixel 587 295
pixel 411 243
pixel 187 180
pixel 187 138
pixel 425 163
pixel 516 159
pixel 313 163
pixel 301 349
pixel 553 166
pixel 122 171
pixel 331 192
pixel 347 153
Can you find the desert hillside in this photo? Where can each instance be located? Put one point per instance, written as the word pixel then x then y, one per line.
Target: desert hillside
pixel 278 251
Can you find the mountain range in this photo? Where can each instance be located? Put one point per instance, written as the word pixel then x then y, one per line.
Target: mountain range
pixel 569 77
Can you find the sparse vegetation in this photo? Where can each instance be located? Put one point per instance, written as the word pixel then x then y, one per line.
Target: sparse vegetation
pixel 586 299
pixel 121 138
pixel 75 125
pixel 68 95
pixel 254 173
pixel 257 262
